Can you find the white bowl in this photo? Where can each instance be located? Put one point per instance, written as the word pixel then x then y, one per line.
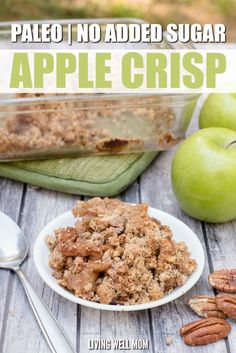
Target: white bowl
pixel 181 232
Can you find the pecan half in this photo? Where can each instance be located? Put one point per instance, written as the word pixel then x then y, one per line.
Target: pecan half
pixel 205 331
pixel 205 306
pixel 227 304
pixel 223 280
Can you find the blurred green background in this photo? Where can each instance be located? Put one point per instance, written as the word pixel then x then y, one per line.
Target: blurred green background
pixel 153 11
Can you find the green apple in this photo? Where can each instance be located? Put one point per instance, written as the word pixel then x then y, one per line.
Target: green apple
pixel 219 110
pixel 204 175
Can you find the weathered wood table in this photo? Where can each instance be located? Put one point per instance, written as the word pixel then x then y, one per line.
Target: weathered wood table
pixel 32 208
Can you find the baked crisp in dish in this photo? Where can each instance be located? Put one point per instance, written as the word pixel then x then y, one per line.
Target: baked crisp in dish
pixel 63 127
pixel 117 254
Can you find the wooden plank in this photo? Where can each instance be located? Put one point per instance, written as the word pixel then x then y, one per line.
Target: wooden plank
pixel 40 206
pixel 10 202
pixel 221 241
pixel 166 321
pixel 103 325
pixel 89 328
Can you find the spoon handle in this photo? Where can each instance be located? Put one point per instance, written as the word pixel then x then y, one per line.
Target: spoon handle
pixel 54 335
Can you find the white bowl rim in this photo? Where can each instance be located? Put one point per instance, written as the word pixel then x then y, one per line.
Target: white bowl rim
pixel 176 293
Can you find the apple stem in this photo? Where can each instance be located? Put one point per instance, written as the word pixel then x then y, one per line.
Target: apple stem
pixel 230 144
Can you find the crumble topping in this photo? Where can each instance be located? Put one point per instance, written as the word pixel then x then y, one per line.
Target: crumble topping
pixel 117 254
pixel 169 340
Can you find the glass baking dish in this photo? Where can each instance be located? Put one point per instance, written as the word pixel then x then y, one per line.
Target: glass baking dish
pixel 36 126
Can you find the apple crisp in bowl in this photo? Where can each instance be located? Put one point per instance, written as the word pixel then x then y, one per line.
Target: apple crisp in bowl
pixel 116 253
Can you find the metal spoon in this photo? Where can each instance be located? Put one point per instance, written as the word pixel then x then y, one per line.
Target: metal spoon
pixel 13 251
